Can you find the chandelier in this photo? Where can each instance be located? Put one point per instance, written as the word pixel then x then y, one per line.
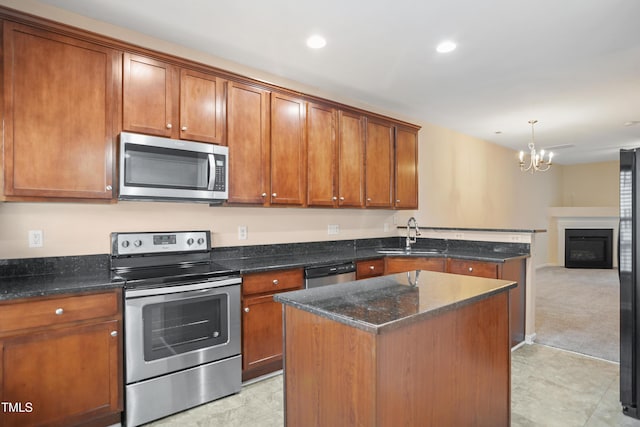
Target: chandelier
pixel 537 162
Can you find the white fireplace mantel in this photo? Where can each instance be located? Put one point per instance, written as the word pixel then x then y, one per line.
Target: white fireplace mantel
pixel 585 217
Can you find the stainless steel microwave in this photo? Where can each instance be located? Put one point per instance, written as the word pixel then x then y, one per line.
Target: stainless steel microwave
pixel 163 169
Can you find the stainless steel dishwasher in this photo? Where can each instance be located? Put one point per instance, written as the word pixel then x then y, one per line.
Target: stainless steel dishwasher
pixel 329 274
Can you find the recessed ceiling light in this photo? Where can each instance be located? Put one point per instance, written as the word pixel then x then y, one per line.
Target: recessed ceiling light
pixel 316 42
pixel 446 46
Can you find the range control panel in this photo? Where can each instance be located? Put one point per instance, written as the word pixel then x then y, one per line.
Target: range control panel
pixel 160 242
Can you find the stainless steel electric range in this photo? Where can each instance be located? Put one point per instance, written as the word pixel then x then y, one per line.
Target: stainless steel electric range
pixel 182 323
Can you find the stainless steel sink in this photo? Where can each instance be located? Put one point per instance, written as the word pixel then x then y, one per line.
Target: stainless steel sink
pixel 396 251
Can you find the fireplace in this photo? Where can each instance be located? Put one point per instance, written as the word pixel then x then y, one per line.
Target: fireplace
pixel 588 248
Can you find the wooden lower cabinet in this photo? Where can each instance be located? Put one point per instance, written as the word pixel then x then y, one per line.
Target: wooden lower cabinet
pixel 369 268
pixel 394 265
pixel 62 373
pixel 515 270
pixel 262 320
pixel 442 370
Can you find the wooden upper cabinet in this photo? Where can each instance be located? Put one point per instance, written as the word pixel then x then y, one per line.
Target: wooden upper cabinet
pixel 288 150
pixel 151 93
pixel 335 153
pixel 61 98
pixel 248 140
pixel 406 168
pixel 322 160
pixel 201 107
pixel 164 100
pixel 351 159
pixel 379 164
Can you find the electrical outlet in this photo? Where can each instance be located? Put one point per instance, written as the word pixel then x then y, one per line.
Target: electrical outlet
pixel 242 232
pixel 333 229
pixel 35 239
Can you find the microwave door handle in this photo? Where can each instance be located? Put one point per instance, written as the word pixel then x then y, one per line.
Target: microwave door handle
pixel 212 172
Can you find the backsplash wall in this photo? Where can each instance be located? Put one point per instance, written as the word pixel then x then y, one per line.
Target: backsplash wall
pixel 83 229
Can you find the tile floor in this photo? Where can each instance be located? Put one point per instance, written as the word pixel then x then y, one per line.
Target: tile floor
pixel 550 387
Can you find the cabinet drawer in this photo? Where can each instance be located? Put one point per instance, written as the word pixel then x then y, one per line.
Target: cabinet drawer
pixel 272 281
pixel 369 268
pixel 47 312
pixel 402 264
pixel 473 268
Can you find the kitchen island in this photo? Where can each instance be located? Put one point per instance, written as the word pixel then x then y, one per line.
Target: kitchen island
pixel 413 349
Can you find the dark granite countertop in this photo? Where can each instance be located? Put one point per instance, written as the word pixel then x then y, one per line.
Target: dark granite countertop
pixel 257 264
pixel 35 277
pixel 380 304
pixel 23 278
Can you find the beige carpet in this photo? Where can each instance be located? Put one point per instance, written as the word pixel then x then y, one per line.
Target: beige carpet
pixel 579 310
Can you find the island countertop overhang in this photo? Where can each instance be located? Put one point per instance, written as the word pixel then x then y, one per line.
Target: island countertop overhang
pixel 380 304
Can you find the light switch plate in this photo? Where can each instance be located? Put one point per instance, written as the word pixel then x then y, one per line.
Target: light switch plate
pixel 36 239
pixel 333 229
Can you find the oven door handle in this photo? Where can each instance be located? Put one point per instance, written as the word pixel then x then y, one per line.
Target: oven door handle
pixel 174 289
pixel 212 172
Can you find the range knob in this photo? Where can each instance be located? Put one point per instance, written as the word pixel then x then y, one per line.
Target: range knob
pixel 125 243
pixel 189 241
pixel 201 241
pixel 137 243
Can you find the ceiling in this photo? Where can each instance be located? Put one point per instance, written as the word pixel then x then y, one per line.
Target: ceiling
pixel 574 65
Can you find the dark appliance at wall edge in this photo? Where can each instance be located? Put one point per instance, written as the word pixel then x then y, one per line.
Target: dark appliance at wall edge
pixel 628 265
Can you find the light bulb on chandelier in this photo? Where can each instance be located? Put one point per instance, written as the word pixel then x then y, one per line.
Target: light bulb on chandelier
pixel 537 162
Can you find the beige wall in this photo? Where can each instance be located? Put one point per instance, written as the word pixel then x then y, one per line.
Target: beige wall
pixel 464 182
pixel 591 184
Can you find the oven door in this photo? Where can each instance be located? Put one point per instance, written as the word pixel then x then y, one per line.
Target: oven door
pixel 173 328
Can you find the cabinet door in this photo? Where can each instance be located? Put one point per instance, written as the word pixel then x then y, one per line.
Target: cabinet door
pixel 150 96
pixel 261 332
pixel 351 160
pixel 321 152
pixel 379 164
pixel 201 107
pixel 288 150
pixel 248 141
pixel 406 168
pixel 68 375
pixel 60 104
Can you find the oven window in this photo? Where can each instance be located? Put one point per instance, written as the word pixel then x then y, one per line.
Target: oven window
pixel 177 327
pixel 165 168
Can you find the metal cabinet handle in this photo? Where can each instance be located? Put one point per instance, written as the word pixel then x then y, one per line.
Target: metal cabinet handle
pixel 274 194
pixel 169 126
pixel 264 194
pixel 371 267
pixel 470 268
pixel 334 198
pixel 397 200
pixel 184 128
pixel 109 188
pixel 342 199
pixel 275 282
pixel 246 309
pixel 368 199
pixel 114 333
pixel 59 311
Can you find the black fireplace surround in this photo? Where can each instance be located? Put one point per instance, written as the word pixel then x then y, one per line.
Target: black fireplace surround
pixel 588 248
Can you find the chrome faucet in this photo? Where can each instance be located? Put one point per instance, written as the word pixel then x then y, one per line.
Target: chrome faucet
pixel 412 224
